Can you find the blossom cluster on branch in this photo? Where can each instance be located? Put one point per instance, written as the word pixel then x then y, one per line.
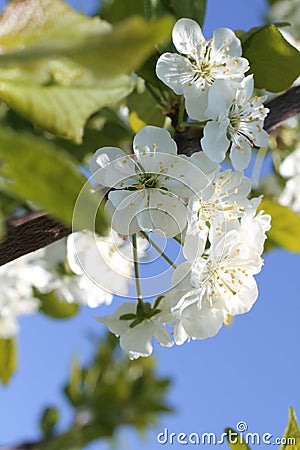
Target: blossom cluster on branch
pixel 192 199
pixel 156 193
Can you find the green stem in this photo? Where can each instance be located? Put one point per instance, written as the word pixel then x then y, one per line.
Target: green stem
pixel 178 239
pixel 153 93
pixel 181 114
pixel 158 249
pixel 136 269
pixel 193 124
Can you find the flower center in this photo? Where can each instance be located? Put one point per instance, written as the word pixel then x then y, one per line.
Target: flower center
pixel 147 181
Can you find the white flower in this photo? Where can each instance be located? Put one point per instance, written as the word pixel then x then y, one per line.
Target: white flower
pixel 136 341
pixel 224 200
pixel 290 168
pixel 236 119
pixel 286 11
pixel 208 288
pixel 254 226
pixel 191 320
pixel 104 262
pixel 16 296
pixel 205 62
pixel 151 184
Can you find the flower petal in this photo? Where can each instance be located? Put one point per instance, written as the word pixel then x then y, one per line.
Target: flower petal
pixel 196 101
pixel 122 210
pixel 241 158
pixel 154 139
pixel 226 42
pixel 168 213
pixel 214 141
pixel 114 324
pixel 175 71
pixel 137 340
pixel 110 166
pixel 221 95
pixel 181 277
pixel 200 323
pixel 187 36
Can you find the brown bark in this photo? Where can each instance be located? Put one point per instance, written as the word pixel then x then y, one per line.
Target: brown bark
pixel 281 108
pixel 30 233
pixel 38 230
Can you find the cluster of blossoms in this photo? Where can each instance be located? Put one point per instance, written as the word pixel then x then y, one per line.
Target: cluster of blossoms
pixel 56 268
pixel 157 190
pixel 210 76
pixel 191 199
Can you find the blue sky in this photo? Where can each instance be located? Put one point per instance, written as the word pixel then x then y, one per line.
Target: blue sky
pixel 248 372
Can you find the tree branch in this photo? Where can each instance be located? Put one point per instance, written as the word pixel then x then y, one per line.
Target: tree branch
pixel 30 233
pixel 281 108
pixel 38 230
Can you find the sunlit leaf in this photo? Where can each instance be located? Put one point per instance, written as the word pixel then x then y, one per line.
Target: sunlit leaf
pixel 7 359
pixel 285 225
pixel 48 420
pixel 117 10
pixel 34 169
pixel 193 9
pixel 274 62
pixel 73 389
pixel 146 108
pixel 31 22
pixel 291 438
pixel 135 122
pixel 62 110
pixel 54 307
pixel 56 75
pixel 108 54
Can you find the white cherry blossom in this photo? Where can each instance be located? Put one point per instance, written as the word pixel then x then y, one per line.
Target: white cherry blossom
pixel 236 122
pixel 16 296
pixel 136 341
pixel 152 185
pixel 191 320
pixel 204 61
pixel 223 201
pixel 104 264
pixel 208 288
pixel 290 169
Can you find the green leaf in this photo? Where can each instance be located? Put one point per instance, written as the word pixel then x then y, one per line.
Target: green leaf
pixel 57 75
pixel 48 420
pixel 73 389
pixel 34 169
pixel 292 433
pixel 192 9
pixel 53 307
pixel 31 22
pixel 117 10
pixel 62 110
pixel 108 54
pixel 8 359
pixel 146 108
pixel 235 440
pixel 129 316
pixel 285 225
pixel 274 62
